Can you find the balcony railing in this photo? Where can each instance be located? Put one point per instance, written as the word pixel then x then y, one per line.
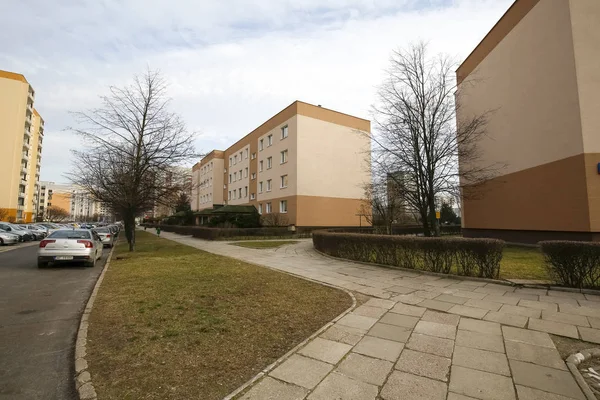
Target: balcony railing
pixel 26 145
pixel 25 156
pixel 30 106
pixel 20 207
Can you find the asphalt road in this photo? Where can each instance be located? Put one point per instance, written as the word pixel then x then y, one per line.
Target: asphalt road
pixel 40 311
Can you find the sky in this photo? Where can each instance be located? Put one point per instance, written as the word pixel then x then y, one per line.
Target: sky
pixel 230 64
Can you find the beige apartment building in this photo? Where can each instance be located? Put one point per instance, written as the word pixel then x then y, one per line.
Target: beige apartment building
pixel 51 194
pixel 538 72
pixel 306 163
pixel 21 137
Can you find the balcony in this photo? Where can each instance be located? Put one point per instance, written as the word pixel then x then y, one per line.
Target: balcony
pixel 26 144
pixel 20 207
pixel 30 106
pixel 27 133
pixel 21 195
pixel 31 95
pixel 28 120
pixel 25 156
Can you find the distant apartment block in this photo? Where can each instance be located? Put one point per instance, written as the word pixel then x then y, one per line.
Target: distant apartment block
pixel 538 71
pixel 307 162
pixel 51 194
pixel 21 137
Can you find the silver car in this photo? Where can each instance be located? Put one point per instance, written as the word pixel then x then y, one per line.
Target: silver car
pixel 107 236
pixel 8 238
pixel 70 245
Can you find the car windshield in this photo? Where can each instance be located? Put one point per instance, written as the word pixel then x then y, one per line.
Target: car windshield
pixel 102 230
pixel 17 227
pixel 70 234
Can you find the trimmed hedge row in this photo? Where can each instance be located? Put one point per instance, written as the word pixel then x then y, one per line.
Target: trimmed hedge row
pixel 223 233
pixel 470 257
pixel 573 264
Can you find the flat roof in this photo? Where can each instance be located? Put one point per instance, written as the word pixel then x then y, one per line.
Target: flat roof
pixel 13 75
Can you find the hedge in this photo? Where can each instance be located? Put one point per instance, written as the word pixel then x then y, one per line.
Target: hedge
pixel 573 264
pixel 471 257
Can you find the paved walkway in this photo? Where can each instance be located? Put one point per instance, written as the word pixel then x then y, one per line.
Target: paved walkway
pixel 424 337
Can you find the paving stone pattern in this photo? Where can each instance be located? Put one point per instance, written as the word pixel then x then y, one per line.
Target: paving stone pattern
pixel 424 337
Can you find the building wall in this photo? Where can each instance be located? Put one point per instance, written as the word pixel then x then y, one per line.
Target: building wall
pixel 325 163
pixel 528 77
pixel 33 175
pixel 207 181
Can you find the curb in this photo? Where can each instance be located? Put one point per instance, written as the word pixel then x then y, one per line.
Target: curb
pixel 573 362
pixel 83 379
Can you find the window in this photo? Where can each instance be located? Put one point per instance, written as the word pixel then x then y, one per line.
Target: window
pixel 253 196
pixel 284 181
pixel 240 174
pixel 283 206
pixel 245 191
pixel 230 162
pixel 229 195
pixel 260 208
pixel 234 193
pixel 240 193
pixel 253 156
pixel 246 154
pixel 269 140
pixel 269 162
pixel 284 132
pixel 260 166
pixel 235 176
pixel 254 175
pixel 246 172
pixel 269 185
pixel 268 208
pixel 229 178
pixel 260 187
pixel 283 157
pixel 261 145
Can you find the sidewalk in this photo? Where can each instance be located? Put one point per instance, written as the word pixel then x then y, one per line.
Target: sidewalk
pixel 424 337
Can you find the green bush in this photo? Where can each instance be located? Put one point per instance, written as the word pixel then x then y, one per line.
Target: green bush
pixel 472 257
pixel 573 264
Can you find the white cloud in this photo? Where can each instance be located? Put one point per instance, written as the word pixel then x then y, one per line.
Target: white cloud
pixel 231 64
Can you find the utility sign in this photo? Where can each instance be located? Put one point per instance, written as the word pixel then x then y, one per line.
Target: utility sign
pixel 438 215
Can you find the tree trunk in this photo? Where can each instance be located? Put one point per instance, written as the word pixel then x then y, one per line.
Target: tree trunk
pixel 130 230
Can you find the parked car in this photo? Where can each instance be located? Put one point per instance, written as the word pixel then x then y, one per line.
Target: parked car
pixel 8 238
pixel 38 231
pixel 114 229
pixel 34 235
pixel 107 236
pixel 70 245
pixel 23 235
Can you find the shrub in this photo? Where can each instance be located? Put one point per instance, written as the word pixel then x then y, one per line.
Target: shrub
pixel 472 257
pixel 573 264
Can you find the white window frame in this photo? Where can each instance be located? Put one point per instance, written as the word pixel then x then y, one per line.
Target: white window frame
pixel 239 193
pixel 245 191
pixel 260 187
pixel 246 151
pixel 261 144
pixel 284 132
pixel 268 208
pixel 234 194
pixel 246 172
pixel 284 178
pixel 284 156
pixel 269 162
pixel 253 176
pixel 252 196
pixel 260 166
pixel 229 178
pixel 260 208
pixel 269 185
pixel 281 206
pixel 269 140
pixel 229 197
pixel 235 159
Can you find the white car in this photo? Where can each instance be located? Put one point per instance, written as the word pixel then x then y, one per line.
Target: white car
pixel 70 245
pixel 8 238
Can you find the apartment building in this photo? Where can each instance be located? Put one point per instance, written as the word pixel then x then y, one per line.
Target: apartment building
pixel 538 71
pixel 306 163
pixel 21 136
pixel 51 194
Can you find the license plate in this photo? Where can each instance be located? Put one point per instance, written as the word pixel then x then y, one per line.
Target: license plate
pixel 63 257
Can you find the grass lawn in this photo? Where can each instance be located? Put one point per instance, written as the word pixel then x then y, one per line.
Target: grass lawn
pixel 264 244
pixel 523 263
pixel 174 322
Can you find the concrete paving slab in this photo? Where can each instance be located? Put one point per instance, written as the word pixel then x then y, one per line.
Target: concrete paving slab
pixel 468 294
pixel 567 295
pixel 405 321
pixel 430 344
pixel 366 369
pixel 572 319
pixel 441 318
pixel 357 321
pixel 451 299
pixel 526 393
pixel 494 298
pixel 527 336
pixel 481 360
pixel 428 294
pixel 480 384
pixel 381 303
pixel 483 304
pixel 400 289
pixel 539 355
pixel 390 332
pixel 325 350
pixel 556 328
pixel 546 379
pixel 408 299
pixel 272 389
pixel 343 334
pixel 302 371
pixel 506 319
pixel 539 305
pixel 475 325
pixel 403 386
pixel 454 396
pixel 589 334
pixel 337 386
pixel 522 311
pixel 436 305
pixel 481 341
pixel 470 312
pixel 379 348
pixel 406 309
pixel 594 322
pixel 424 364
pixel 436 329
pixel 368 311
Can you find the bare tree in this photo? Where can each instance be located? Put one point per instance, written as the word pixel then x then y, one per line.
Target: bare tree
pixel 274 219
pixel 56 214
pixel 418 141
pixel 132 143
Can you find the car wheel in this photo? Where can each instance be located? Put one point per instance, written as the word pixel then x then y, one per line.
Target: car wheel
pixel 42 264
pixel 90 264
pixel 1 242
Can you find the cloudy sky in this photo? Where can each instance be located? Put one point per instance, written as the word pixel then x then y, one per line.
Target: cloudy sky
pixel 231 64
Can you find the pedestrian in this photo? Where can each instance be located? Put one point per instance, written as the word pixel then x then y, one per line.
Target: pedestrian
pixel 158 230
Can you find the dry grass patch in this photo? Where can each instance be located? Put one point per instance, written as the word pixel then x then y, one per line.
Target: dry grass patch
pixel 520 262
pixel 264 244
pixel 173 322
